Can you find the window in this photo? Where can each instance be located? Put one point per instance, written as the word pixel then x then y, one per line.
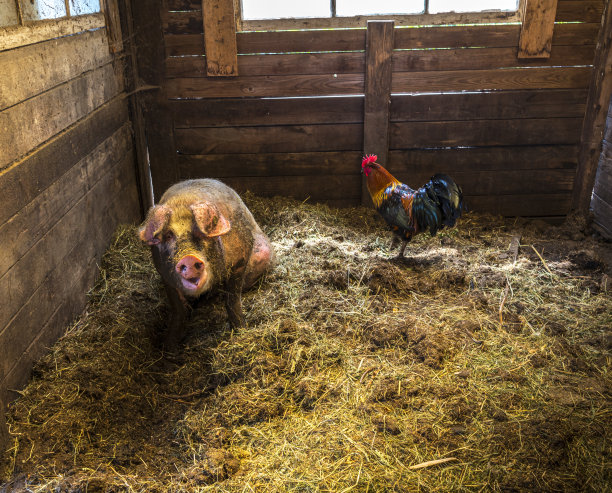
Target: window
pixel 279 9
pixel 12 12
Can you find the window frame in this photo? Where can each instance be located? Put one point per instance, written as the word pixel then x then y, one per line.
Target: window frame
pixel 29 22
pixel 360 21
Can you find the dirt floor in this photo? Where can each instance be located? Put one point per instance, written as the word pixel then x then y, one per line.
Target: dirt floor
pixel 458 369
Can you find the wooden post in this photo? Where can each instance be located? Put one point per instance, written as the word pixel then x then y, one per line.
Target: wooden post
pixel 155 108
pixel 537 29
pixel 4 436
pixel 379 49
pixel 595 116
pixel 220 37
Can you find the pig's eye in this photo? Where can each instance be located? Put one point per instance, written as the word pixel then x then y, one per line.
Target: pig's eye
pixel 169 236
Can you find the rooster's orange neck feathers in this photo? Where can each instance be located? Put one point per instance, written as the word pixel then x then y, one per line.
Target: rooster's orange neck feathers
pixel 378 180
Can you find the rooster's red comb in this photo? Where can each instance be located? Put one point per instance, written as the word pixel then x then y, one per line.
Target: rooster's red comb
pixel 370 158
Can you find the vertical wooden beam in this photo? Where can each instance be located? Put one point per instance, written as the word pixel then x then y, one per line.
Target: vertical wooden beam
pixel 379 48
pixel 595 117
pixel 155 108
pixel 537 29
pixel 4 435
pixel 143 173
pixel 220 37
pixel 113 25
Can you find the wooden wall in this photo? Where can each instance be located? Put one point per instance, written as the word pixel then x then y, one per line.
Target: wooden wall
pixel 67 178
pixel 601 201
pixel 292 122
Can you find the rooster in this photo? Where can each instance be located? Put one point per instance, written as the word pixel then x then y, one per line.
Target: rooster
pixel 436 204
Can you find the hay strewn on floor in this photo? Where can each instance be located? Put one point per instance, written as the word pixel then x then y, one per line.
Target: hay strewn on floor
pixel 354 372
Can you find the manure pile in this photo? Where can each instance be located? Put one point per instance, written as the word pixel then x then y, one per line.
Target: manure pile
pixel 356 372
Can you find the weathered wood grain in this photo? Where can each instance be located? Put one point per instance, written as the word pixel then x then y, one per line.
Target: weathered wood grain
pixel 534 205
pixel 30 123
pixel 603 181
pixel 509 158
pixel 354 62
pixel 314 188
pixel 535 40
pixel 519 78
pixel 497 36
pixel 410 135
pixel 599 103
pixel 275 164
pixel 349 84
pixel 493 105
pixel 32 69
pixel 241 112
pixel 220 37
pixel 266 86
pixel 35 287
pixel 379 46
pixel 36 32
pixel 249 140
pixel 602 211
pixel 24 180
pixel 25 229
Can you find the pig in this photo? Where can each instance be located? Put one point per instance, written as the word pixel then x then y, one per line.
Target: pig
pixel 203 238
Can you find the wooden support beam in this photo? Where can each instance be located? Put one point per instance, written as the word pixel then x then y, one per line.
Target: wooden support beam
pixel 537 29
pixel 379 49
pixel 113 25
pixel 594 123
pixel 220 37
pixel 4 435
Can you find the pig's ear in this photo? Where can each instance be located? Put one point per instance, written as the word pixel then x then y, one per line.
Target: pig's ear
pixel 209 220
pixel 154 224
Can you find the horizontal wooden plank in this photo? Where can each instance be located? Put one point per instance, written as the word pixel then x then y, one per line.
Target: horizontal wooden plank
pixel 451 161
pixel 51 271
pixel 35 32
pixel 26 228
pixel 488 105
pixel 275 164
pixel 489 36
pixel 423 163
pixel 294 138
pixel 499 182
pixel 266 86
pixel 32 69
pixel 24 180
pixel 189 21
pixel 404 60
pixel 233 112
pixel 526 205
pixel 548 131
pixel 418 107
pixel 36 120
pixel 579 11
pixel 314 188
pixel 495 36
pixel 476 80
pixel 402 82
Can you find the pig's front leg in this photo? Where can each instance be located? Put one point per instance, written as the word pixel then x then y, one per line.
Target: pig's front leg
pixel 233 300
pixel 179 311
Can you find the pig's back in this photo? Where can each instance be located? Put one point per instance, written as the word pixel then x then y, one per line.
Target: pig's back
pixel 229 203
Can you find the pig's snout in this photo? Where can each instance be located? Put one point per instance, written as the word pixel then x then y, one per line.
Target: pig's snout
pixel 192 271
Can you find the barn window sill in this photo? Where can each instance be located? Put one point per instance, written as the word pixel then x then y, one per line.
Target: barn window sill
pixel 38 31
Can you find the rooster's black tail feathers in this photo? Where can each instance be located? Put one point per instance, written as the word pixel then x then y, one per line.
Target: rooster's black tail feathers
pixel 438 203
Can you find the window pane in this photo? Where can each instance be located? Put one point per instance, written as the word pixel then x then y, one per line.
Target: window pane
pixel 8 13
pixel 80 7
pixel 34 10
pixel 437 6
pixel 279 9
pixel 369 7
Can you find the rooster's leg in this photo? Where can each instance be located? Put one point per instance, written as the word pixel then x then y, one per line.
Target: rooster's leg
pixel 400 254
